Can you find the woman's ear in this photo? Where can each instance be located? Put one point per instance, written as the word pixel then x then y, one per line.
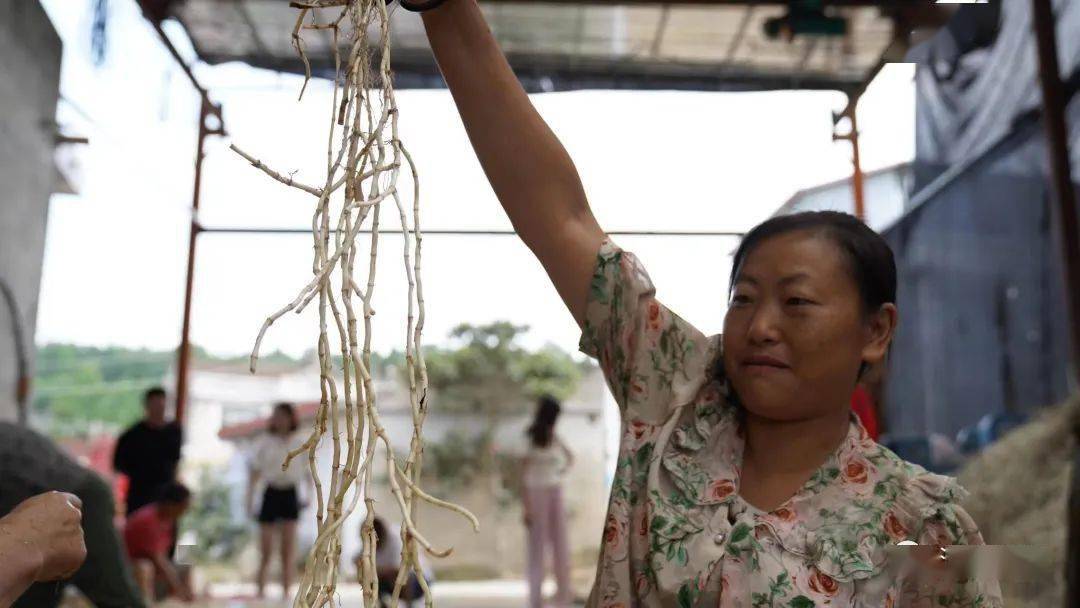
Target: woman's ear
pixel 880 328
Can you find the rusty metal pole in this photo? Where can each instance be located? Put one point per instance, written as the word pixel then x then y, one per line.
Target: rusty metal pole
pixel 206 111
pixel 1057 135
pixel 856 161
pixel 1064 203
pixel 857 176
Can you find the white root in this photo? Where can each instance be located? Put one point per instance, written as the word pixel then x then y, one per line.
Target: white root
pixel 363 161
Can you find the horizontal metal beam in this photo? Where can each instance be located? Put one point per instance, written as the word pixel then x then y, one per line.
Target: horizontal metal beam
pixel 841 3
pixel 415 69
pixel 437 232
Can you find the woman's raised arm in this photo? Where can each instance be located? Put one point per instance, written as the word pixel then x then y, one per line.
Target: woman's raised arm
pixel 528 168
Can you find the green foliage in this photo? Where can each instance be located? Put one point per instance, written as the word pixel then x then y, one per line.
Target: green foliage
pixel 76 387
pixel 210 518
pixel 483 372
pixel 486 372
pixel 455 461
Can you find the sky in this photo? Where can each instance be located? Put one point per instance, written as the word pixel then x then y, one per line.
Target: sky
pixel 115 253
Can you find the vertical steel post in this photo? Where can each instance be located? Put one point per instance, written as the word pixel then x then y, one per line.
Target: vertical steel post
pixel 206 111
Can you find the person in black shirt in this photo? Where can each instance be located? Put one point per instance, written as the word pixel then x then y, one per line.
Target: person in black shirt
pixel 148 452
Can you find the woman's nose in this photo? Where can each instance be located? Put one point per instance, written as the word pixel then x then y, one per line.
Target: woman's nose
pixel 763 325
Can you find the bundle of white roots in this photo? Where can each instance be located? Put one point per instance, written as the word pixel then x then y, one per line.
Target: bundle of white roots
pixel 364 158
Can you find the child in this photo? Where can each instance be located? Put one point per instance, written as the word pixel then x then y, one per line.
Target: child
pixel 149 533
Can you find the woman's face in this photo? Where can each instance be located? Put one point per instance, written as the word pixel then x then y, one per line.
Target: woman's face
pixel 795 333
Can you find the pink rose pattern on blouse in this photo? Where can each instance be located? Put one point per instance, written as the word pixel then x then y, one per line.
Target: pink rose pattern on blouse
pixel 677 532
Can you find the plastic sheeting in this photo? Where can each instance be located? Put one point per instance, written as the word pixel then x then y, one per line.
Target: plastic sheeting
pixel 983 325
pixel 980 75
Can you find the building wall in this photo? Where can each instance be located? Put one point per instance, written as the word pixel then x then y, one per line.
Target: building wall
pixel 885 192
pixel 29 86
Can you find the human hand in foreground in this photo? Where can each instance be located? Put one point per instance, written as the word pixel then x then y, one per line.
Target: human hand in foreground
pixel 40 540
pixel 49 528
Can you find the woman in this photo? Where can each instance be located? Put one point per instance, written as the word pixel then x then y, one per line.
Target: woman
pixel 545 463
pixel 280 506
pixel 742 479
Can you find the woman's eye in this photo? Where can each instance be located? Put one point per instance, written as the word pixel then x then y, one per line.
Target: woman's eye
pixel 799 301
pixel 740 299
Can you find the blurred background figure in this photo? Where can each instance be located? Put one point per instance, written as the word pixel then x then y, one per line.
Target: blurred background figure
pixel 149 452
pixel 31 464
pixel 149 533
pixel 545 464
pixel 388 566
pixel 866 400
pixel 280 505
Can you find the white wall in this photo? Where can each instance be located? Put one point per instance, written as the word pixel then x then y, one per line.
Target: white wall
pixel 29 85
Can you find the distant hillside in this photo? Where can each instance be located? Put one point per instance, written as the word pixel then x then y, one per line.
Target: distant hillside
pixel 79 387
pixel 81 390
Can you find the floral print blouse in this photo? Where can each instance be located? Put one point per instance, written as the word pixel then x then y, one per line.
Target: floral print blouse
pixel 679 535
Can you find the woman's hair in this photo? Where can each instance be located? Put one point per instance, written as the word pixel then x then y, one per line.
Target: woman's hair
pixel 542 429
pixel 380 528
pixel 288 408
pixel 869 258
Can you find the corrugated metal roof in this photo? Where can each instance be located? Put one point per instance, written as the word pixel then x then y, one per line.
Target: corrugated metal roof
pixel 568 45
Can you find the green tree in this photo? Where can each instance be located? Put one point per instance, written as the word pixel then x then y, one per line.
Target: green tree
pixel 485 372
pixel 77 387
pixel 219 536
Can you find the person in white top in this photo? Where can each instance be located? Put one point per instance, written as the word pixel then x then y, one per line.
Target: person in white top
pixel 545 464
pixel 281 495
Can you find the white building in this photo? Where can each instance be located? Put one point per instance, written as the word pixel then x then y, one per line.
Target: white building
pixel 885 192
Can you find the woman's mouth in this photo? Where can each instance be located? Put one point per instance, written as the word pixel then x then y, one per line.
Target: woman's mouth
pixel 764 364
